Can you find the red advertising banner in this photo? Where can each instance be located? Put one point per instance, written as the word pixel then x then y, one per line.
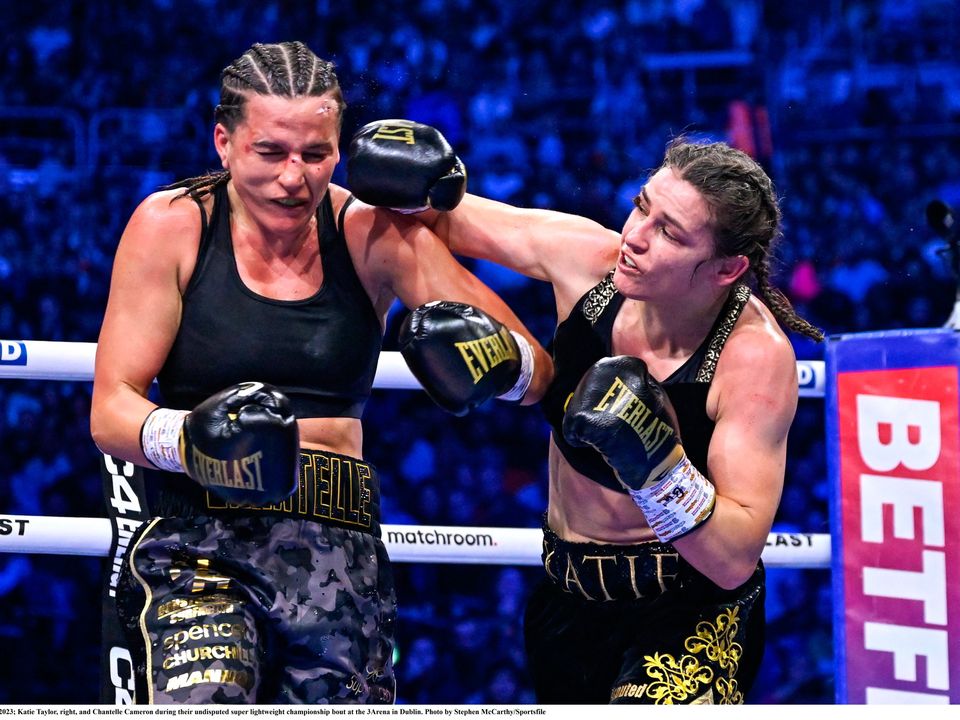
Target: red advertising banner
pixel 897 508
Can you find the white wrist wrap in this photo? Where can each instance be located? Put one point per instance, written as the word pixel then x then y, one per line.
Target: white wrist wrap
pixel 160 438
pixel 678 502
pixel 519 389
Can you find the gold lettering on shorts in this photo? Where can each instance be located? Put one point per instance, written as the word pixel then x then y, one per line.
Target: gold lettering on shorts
pixel 660 573
pixel 632 563
pixel 355 684
pixel 342 492
pixel 548 556
pixel 212 675
pixel 330 487
pixel 599 559
pixel 209 652
pixel 628 690
pixel 180 609
pixel 483 354
pixel 571 578
pixel 205 579
pixel 204 631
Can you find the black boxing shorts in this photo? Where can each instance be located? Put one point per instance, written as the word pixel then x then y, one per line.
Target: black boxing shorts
pixel 616 624
pixel 284 604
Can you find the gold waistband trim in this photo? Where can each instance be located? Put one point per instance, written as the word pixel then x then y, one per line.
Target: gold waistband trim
pixel 334 489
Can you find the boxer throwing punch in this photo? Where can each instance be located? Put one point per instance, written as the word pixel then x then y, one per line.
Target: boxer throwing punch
pixel 674 393
pixel 257 297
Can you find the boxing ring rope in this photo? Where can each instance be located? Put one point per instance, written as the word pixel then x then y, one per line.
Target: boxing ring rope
pixel 72 361
pixel 405 543
pixel 47 360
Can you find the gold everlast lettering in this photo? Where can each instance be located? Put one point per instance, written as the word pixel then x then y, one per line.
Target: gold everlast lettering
pixel 616 388
pixel 620 401
pixel 330 487
pixel 634 414
pixel 400 134
pixel 483 354
pixel 241 473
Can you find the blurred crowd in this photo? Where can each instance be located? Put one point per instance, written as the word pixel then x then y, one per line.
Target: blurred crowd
pixel 853 106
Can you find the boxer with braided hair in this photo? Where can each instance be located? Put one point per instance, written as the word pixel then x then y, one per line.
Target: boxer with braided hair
pixel 257 297
pixel 674 392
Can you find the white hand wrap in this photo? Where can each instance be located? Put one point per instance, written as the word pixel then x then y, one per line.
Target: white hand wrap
pixel 519 389
pixel 160 438
pixel 681 500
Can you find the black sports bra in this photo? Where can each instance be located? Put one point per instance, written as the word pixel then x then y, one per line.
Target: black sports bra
pixel 587 336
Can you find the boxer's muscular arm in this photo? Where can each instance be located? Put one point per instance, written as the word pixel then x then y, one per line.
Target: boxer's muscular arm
pixel 568 251
pixel 402 258
pixel 756 385
pixel 141 320
pixel 403 164
pixel 250 422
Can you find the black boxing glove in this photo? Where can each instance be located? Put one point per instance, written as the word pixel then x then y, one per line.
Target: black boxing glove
pixel 242 444
pixel 406 166
pixel 621 411
pixel 463 357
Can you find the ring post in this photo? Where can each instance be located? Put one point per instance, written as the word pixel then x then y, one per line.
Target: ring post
pixel 894 453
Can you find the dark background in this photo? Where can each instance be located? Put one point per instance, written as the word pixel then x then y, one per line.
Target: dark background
pixel 852 106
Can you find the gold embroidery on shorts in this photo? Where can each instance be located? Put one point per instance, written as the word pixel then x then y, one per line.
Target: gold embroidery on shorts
pixel 729 694
pixel 676 681
pixel 705 699
pixel 717 642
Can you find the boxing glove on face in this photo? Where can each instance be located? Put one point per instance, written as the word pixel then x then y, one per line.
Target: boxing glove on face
pixel 242 444
pixel 463 357
pixel 406 166
pixel 621 411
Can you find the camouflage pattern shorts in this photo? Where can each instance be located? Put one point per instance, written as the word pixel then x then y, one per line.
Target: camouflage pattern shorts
pixel 259 609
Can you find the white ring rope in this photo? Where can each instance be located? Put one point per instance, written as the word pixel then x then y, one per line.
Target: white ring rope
pixel 405 543
pixel 66 361
pixel 47 360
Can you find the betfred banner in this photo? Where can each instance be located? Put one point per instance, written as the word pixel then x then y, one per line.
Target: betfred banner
pixel 894 450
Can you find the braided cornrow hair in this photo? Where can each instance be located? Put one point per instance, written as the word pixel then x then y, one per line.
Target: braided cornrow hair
pixel 746 214
pixel 287 69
